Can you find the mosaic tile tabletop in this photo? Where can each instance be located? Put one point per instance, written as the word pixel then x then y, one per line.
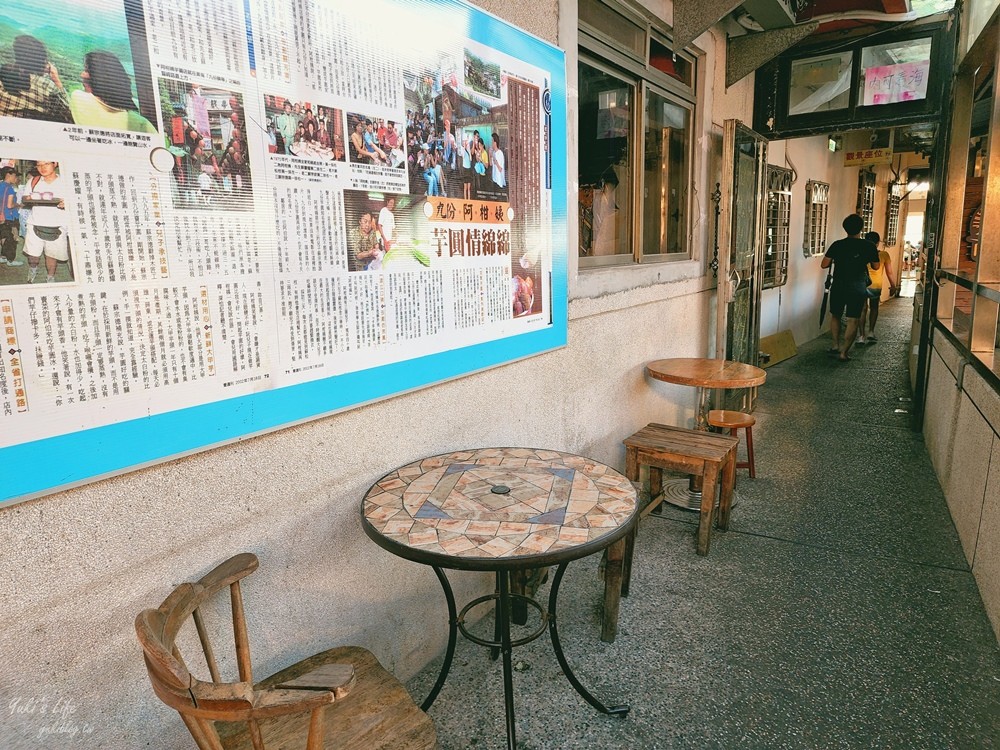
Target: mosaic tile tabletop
pixel 498 503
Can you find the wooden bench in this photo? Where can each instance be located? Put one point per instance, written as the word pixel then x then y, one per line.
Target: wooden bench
pixel 659 446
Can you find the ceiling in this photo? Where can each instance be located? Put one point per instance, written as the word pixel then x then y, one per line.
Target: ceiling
pixel 835 17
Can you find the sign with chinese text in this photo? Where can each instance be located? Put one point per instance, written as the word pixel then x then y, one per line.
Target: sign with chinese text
pixel 222 217
pixel 890 84
pixel 864 157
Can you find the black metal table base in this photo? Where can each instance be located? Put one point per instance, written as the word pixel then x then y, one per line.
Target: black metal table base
pixel 503 644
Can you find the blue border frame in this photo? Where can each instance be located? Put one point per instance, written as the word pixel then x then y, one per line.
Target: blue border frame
pixel 99 452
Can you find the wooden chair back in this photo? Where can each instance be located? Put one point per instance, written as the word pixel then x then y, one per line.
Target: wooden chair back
pixel 201 703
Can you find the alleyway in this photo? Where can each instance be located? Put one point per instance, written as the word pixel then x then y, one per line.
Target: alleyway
pixel 837 612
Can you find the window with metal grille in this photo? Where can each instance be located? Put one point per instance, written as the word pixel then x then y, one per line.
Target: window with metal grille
pixel 866 198
pixel 817 213
pixel 779 209
pixel 892 214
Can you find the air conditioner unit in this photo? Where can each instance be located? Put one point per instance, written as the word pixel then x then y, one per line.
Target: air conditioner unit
pixel 771 14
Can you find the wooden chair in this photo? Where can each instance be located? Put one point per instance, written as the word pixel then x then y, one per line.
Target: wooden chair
pixel 342 697
pixel 733 421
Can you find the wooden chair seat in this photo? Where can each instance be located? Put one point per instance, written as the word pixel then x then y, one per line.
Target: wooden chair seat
pixel 376 714
pixel 707 455
pixel 341 698
pixel 733 421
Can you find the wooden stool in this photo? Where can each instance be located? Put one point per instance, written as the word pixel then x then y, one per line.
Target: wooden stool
pixel 734 420
pixel 660 446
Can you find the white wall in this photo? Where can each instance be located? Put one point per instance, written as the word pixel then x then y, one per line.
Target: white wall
pixel 795 306
pixel 975 16
pixel 81 564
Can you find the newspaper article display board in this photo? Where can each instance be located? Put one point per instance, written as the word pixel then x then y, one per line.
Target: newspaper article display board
pixel 221 217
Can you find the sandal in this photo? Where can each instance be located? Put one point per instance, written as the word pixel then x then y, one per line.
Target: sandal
pixel 845 358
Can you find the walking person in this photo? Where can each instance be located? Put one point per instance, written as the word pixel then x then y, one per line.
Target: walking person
pixel 849 257
pixel 883 270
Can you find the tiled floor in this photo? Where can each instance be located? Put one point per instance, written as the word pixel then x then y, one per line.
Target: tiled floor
pixel 837 612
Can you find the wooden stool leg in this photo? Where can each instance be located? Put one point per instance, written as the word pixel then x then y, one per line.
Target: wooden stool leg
pixel 518 585
pixel 726 499
pixel 612 591
pixel 708 487
pixel 753 471
pixel 656 489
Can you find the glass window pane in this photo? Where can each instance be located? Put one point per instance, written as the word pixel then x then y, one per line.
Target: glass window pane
pixel 615 26
pixel 665 176
pixel 664 60
pixel 605 172
pixel 896 72
pixel 820 84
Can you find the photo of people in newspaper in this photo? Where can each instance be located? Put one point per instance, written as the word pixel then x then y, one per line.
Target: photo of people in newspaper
pixel 72 61
pixel 34 222
pixel 451 155
pixel 385 230
pixel 304 129
pixel 375 140
pixel 206 128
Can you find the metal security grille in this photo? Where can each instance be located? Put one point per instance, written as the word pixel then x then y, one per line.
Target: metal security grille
pixel 817 211
pixel 779 208
pixel 892 214
pixel 866 198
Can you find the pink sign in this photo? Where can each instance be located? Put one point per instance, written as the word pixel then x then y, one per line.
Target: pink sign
pixel 889 84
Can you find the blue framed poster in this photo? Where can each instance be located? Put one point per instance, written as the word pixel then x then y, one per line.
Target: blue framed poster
pixel 222 217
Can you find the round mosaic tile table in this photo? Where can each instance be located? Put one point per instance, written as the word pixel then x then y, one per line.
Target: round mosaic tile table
pixel 501 510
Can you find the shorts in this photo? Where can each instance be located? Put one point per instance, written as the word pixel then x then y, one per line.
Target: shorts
pixel 57 249
pixel 850 298
pixel 874 297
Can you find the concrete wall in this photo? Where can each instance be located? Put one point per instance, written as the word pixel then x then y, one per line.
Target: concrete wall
pixel 962 433
pixel 81 564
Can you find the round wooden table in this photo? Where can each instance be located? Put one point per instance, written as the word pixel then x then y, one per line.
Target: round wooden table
pixel 705 374
pixel 501 510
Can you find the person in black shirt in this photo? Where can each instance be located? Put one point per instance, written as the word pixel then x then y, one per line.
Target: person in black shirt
pixel 849 257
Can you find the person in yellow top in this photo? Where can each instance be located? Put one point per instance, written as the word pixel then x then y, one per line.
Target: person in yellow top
pixel 106 98
pixel 878 277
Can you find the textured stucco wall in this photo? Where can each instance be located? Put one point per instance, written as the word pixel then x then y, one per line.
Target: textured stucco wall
pixel 540 18
pixel 81 564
